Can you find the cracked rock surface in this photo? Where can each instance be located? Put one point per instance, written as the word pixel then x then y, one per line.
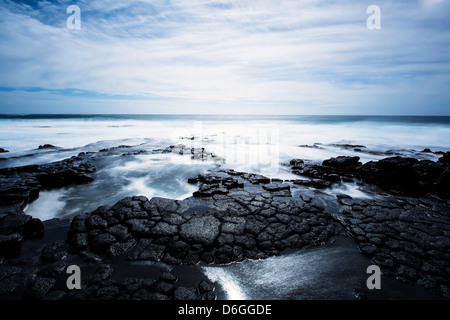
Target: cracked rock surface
pixel 232 216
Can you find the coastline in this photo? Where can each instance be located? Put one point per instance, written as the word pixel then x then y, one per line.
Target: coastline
pixel 234 216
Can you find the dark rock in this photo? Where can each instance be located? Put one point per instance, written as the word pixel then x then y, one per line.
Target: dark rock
pixel 79 240
pixel 119 249
pixel 165 288
pixel 445 158
pixel 108 292
pixel 63 178
pixel 52 270
pixel 408 175
pixel 102 241
pixel 57 251
pixel 103 273
pixel 206 286
pixel 152 252
pixel 10 245
pixel 168 277
pixel 13 223
pixel 120 232
pixel 96 222
pixel 3 150
pixel 203 230
pixel 39 287
pixel 296 163
pixel 183 293
pixel 343 163
pixel 278 188
pixel 157 296
pixel 140 227
pixel 46 146
pixel 164 229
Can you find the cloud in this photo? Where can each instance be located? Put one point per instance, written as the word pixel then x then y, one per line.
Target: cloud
pixel 295 56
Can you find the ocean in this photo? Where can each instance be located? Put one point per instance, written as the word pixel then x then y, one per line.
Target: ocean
pixel 258 144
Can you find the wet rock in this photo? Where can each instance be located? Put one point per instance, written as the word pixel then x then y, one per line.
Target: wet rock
pixel 206 286
pixel 164 229
pixel 183 293
pixel 296 163
pixel 96 222
pixel 39 288
pixel 408 176
pixel 46 146
pixel 278 189
pixel 57 251
pixel 344 163
pixel 203 230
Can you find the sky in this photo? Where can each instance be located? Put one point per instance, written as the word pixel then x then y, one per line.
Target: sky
pixel 225 57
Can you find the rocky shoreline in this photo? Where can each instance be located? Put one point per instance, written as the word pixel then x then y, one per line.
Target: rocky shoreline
pixel 232 217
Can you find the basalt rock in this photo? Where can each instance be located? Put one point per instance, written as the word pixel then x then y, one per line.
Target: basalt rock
pixel 245 222
pixel 409 176
pixel 403 176
pixel 406 237
pixel 21 185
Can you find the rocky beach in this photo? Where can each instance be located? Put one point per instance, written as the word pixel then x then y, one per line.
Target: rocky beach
pixel 141 248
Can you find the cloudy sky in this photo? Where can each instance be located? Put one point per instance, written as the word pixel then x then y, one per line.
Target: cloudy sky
pixel 236 56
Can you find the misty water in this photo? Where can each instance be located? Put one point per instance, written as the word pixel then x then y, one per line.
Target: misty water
pixel 251 144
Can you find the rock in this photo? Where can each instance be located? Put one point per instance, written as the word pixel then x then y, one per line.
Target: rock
pixel 168 277
pixel 140 227
pixel 257 179
pixel 63 178
pixel 152 252
pixel 445 158
pixel 203 230
pixel 103 273
pixel 278 188
pixel 3 150
pixel 79 240
pixel 183 293
pixel 165 288
pixel 296 163
pixel 46 146
pixel 10 245
pixel 343 163
pixel 96 222
pixel 13 223
pixel 57 251
pixel 408 175
pixel 39 287
pixel 206 286
pixel 233 228
pixel 164 229
pixel 102 241
pixel 120 232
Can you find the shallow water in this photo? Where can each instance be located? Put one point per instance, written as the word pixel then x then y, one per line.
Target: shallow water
pixel 251 144
pixel 335 271
pixel 247 144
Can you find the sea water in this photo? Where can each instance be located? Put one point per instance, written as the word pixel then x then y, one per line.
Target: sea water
pixel 259 144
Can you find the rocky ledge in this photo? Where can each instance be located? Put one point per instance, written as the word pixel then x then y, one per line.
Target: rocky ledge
pixel 397 175
pixel 220 228
pixel 235 216
pixel 21 185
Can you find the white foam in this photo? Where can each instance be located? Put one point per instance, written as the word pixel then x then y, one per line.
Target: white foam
pixel 227 281
pixel 49 205
pixel 350 189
